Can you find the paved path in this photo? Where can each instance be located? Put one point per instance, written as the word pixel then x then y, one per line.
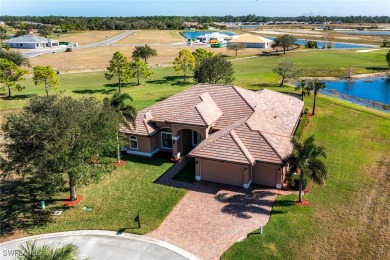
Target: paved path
pixel 211 217
pixel 96 244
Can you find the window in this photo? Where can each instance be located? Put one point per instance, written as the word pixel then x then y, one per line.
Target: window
pixel 133 142
pixel 166 138
pixel 195 138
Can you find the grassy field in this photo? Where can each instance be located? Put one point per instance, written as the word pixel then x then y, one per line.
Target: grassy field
pixel 252 73
pixel 348 217
pixel 153 36
pixel 87 37
pixel 115 202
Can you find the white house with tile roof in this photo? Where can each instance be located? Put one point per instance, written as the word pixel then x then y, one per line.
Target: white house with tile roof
pixel 31 42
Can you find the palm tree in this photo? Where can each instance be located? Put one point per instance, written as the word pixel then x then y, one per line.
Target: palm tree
pixel 303 86
pixel 316 86
pixel 32 252
pixel 305 160
pixel 128 114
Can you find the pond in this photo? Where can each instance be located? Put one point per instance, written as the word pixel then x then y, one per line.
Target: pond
pixel 335 45
pixel 193 35
pixel 371 92
pixel 368 32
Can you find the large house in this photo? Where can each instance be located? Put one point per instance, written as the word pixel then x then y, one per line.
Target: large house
pixel 236 136
pixel 31 42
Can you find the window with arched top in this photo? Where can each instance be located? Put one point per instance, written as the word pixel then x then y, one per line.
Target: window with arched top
pixel 133 140
pixel 166 138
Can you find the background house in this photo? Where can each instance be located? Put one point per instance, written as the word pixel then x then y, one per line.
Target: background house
pixel 31 42
pixel 252 41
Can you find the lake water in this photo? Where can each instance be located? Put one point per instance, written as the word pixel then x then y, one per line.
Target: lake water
pixel 368 32
pixel 372 92
pixel 193 35
pixel 335 45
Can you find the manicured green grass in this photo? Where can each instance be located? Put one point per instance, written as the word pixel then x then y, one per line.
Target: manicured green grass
pixel 115 201
pixel 342 220
pixel 187 174
pixel 254 73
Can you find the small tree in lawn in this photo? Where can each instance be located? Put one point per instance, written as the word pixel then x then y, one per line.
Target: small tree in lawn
pixel 214 70
pixel 285 42
pixel 200 54
pixel 236 47
pixel 119 68
pixel 144 52
pixel 184 63
pixel 57 139
pixel 15 57
pixel 303 86
pixel 3 34
pixel 316 87
pixel 388 58
pixel 46 76
pixel 304 160
pixel 139 69
pixel 285 69
pixel 45 30
pixel 10 75
pixel 120 103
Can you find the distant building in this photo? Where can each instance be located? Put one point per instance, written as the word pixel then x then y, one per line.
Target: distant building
pixel 252 41
pixel 31 42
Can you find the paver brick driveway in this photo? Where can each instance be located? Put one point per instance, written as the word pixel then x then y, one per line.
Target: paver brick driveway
pixel 211 217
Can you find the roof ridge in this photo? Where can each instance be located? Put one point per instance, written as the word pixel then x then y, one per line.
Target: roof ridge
pixel 242 147
pixel 197 109
pixel 273 149
pixel 235 88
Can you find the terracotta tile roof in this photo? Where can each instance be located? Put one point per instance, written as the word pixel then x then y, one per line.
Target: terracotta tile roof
pixel 254 126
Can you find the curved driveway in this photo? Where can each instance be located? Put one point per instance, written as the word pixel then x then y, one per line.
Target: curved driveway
pixel 96 244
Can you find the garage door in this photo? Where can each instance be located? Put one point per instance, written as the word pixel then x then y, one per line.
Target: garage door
pixel 227 173
pixel 265 174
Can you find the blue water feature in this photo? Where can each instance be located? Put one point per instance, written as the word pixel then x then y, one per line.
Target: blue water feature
pixel 193 35
pixel 368 32
pixel 335 45
pixel 372 92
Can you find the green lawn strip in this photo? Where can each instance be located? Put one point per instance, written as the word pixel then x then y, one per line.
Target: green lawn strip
pixel 187 174
pixel 254 73
pixel 356 139
pixel 118 198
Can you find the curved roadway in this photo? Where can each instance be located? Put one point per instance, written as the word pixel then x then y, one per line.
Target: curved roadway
pixel 97 244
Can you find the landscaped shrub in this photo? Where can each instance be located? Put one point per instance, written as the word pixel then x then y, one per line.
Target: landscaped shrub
pixel 311 45
pixel 293 181
pixel 302 124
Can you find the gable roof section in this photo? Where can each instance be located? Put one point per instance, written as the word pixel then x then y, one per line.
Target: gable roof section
pixel 27 39
pixel 251 38
pixel 219 103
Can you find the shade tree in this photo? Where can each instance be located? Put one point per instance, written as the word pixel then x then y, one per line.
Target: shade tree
pixel 47 77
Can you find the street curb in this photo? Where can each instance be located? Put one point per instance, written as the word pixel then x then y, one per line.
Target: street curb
pixel 102 233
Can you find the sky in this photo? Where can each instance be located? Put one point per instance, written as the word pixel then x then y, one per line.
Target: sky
pixel 195 7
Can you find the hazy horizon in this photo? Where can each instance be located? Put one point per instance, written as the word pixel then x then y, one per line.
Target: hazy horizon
pixel 272 8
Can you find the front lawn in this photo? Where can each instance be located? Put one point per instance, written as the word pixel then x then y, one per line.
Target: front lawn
pixel 115 201
pixel 347 217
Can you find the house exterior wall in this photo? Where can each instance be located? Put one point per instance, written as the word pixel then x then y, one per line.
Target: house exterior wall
pixel 222 172
pixel 267 174
pixel 147 145
pixel 27 45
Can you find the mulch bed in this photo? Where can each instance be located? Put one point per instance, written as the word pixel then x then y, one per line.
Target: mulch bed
pixel 69 203
pixel 121 162
pixel 303 203
pixel 308 188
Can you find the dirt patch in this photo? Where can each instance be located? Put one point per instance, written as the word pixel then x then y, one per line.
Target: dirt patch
pixel 303 203
pixel 120 163
pixel 153 36
pixel 88 37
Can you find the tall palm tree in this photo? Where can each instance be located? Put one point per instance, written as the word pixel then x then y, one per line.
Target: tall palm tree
pixel 32 252
pixel 316 86
pixel 303 86
pixel 120 103
pixel 305 159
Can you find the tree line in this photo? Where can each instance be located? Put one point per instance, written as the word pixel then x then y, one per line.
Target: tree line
pixel 66 23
